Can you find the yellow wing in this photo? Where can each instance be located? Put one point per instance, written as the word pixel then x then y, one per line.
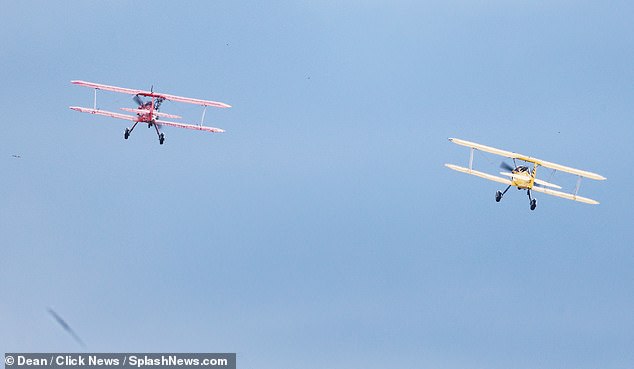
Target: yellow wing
pixel 514 155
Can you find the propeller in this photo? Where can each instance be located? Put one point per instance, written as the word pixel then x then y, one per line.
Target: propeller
pixel 507 166
pixel 138 100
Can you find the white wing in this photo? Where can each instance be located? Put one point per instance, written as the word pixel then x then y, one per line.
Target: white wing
pixel 564 168
pixel 479 174
pixel 492 150
pixel 564 195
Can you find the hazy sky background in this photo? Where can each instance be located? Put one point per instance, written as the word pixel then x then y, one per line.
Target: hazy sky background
pixel 322 229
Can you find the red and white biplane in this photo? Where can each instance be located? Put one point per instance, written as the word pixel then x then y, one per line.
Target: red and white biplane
pixel 147 112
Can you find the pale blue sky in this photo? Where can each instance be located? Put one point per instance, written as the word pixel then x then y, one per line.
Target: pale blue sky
pixel 322 229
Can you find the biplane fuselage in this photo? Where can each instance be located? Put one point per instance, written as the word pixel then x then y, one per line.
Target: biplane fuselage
pixel 518 178
pixel 146 113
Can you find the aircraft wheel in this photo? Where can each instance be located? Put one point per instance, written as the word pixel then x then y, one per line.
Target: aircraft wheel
pixel 533 204
pixel 127 133
pixel 498 196
pixel 161 138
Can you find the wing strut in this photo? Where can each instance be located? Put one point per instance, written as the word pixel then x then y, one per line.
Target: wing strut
pixel 202 120
pixel 94 103
pixel 471 159
pixel 578 185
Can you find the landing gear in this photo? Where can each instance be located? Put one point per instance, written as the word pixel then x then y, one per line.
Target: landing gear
pixel 498 194
pixel 161 136
pixel 533 202
pixel 128 131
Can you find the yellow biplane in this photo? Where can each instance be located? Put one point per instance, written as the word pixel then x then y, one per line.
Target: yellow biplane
pixel 522 176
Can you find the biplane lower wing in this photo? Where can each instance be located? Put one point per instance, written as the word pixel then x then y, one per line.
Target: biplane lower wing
pixel 189 126
pixel 111 114
pixel 479 174
pixel 565 195
pixel 105 113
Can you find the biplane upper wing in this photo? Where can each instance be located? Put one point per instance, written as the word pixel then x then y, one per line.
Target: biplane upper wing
pixel 563 168
pixel 565 195
pixel 492 150
pixel 189 100
pixel 479 174
pixel 105 113
pixel 514 155
pixel 131 91
pixel 100 86
pixel 190 126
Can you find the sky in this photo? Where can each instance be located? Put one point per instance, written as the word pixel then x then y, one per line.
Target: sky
pixel 321 230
